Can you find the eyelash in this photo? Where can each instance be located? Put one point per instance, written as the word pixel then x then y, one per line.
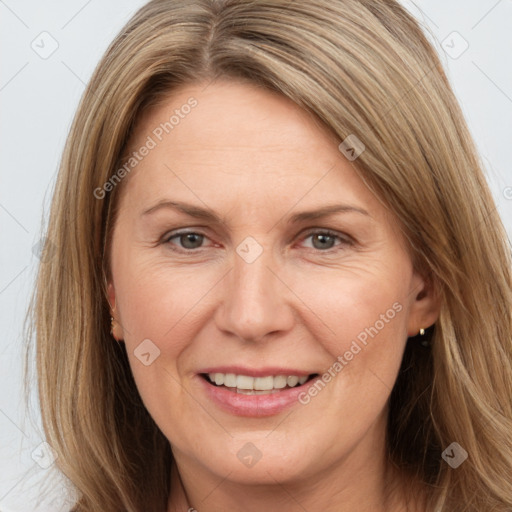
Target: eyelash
pixel 345 240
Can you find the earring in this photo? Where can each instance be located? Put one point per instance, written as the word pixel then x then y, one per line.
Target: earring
pixel 424 342
pixel 112 326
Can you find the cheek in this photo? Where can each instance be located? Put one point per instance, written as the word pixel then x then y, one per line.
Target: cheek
pixel 359 317
pixel 361 326
pixel 360 301
pixel 155 297
pixel 156 303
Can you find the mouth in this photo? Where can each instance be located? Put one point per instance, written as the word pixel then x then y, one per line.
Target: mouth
pixel 264 385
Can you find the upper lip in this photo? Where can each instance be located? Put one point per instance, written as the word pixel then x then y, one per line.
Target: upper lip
pixel 256 372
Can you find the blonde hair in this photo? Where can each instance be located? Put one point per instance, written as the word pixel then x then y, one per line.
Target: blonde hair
pixel 362 67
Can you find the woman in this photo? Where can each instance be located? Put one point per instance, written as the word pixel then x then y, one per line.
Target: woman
pixel 280 281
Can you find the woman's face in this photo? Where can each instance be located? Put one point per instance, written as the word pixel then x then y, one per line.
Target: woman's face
pixel 259 295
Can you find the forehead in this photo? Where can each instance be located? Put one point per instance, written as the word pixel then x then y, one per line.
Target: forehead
pixel 230 143
pixel 235 115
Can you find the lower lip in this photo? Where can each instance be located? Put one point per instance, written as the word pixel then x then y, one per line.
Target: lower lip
pixel 254 405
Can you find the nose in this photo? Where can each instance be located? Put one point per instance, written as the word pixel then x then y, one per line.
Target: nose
pixel 256 300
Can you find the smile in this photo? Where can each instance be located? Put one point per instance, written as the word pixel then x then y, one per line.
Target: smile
pixel 248 385
pixel 254 396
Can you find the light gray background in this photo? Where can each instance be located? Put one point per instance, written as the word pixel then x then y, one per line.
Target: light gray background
pixel 38 97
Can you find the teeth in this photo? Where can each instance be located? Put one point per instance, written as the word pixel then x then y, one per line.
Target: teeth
pixel 264 383
pixel 292 380
pixel 244 382
pixel 229 380
pixel 247 384
pixel 280 381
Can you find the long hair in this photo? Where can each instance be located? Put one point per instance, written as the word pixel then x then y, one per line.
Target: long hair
pixel 363 68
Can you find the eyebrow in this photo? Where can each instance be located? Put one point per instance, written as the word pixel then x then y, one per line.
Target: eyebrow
pixel 207 214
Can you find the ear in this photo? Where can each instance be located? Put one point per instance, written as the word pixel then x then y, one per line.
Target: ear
pixel 117 330
pixel 425 304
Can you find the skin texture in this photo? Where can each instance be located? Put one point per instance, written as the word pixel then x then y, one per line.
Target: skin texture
pixel 256 158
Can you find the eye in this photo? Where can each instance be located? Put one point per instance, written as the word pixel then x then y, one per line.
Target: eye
pixel 324 240
pixel 189 240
